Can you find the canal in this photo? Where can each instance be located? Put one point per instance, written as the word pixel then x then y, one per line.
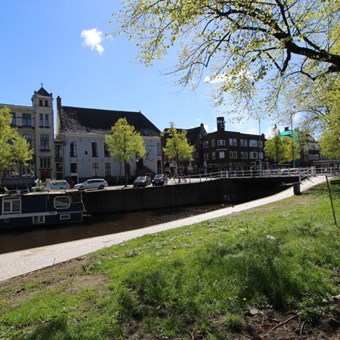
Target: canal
pixel 39 236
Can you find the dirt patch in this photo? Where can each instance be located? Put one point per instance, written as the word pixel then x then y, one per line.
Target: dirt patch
pixel 69 276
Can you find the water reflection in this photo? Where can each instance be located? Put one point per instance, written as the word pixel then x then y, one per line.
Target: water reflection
pixel 92 226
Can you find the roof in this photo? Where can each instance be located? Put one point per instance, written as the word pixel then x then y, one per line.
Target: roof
pixel 193 134
pixel 43 92
pixel 88 120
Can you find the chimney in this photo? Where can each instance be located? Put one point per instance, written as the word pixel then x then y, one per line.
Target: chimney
pixel 220 124
pixel 58 103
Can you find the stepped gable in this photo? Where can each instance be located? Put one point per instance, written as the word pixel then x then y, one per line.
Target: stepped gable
pixel 97 121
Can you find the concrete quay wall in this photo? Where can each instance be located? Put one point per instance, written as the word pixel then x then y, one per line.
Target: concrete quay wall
pixel 224 190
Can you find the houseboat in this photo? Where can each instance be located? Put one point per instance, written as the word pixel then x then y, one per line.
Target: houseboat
pixel 40 208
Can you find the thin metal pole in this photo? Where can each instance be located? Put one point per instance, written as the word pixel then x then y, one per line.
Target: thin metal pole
pixel 330 197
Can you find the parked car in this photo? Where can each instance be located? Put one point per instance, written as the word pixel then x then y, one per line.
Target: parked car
pixel 53 185
pixel 93 183
pixel 58 185
pixel 159 179
pixel 142 181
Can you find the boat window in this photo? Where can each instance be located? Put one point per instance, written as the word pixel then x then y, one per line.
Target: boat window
pixel 38 219
pixel 65 217
pixel 11 205
pixel 62 202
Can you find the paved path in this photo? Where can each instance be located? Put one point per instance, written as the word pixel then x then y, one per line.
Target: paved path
pixel 25 261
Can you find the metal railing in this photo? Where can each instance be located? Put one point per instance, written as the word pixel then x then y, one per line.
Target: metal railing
pixel 302 173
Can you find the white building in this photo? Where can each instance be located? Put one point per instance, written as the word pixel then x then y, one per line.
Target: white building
pixel 80 147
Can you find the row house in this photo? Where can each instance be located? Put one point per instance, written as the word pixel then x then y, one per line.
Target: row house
pixel 228 150
pixel 80 144
pixel 36 124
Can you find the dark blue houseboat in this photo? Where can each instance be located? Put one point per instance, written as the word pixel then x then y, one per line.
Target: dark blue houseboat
pixel 40 208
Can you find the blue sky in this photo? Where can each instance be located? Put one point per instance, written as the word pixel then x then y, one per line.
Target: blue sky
pixel 63 44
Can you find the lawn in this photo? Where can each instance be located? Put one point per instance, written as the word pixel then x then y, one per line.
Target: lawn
pixel 264 273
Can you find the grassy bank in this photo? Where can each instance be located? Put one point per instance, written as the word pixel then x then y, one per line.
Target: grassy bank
pixel 241 276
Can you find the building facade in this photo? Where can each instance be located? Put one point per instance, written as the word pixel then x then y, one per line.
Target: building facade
pixel 81 150
pixel 36 124
pixel 228 150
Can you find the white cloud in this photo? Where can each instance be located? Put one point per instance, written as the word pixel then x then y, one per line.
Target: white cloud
pixel 93 38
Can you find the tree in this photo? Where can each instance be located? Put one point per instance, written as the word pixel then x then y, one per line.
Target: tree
pixel 125 144
pixel 177 146
pixel 14 149
pixel 242 43
pixel 330 137
pixel 282 149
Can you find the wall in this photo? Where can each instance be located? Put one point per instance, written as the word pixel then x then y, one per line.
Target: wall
pixel 223 190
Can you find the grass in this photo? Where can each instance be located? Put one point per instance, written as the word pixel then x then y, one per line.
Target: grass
pixel 190 282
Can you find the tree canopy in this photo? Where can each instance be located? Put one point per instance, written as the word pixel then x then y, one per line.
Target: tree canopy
pixel 177 146
pixel 13 148
pixel 282 149
pixel 239 42
pixel 125 144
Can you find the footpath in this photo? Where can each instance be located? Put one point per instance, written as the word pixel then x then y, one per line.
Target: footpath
pixel 25 261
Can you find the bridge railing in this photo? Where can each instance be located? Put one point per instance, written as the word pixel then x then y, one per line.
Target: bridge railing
pixel 287 172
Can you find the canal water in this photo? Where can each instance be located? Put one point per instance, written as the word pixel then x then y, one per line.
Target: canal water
pixel 38 236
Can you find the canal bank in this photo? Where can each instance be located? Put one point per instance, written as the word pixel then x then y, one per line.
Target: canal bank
pixel 25 261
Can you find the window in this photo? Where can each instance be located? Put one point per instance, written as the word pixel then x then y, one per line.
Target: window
pixel 26 119
pixel 11 205
pixel 206 156
pixel 41 120
pixel 58 151
pixel 107 169
pixel 232 154
pixel 244 155
pixel 40 102
pixel 14 119
pixel 253 155
pixel 46 103
pixel 106 151
pixel 28 170
pixel 260 144
pixel 44 142
pixel 95 169
pixel 243 142
pixel 62 202
pixel 221 154
pixel 45 163
pixel 213 143
pixel 73 149
pixel 232 142
pixel 205 144
pixel 253 143
pixel 94 147
pixel 213 155
pixel 38 219
pixel 28 138
pixel 74 168
pixel 46 121
pixel 221 142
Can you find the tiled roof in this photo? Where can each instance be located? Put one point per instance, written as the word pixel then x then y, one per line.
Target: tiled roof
pixel 80 120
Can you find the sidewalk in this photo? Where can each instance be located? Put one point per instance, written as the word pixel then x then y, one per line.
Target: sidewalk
pixel 25 261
